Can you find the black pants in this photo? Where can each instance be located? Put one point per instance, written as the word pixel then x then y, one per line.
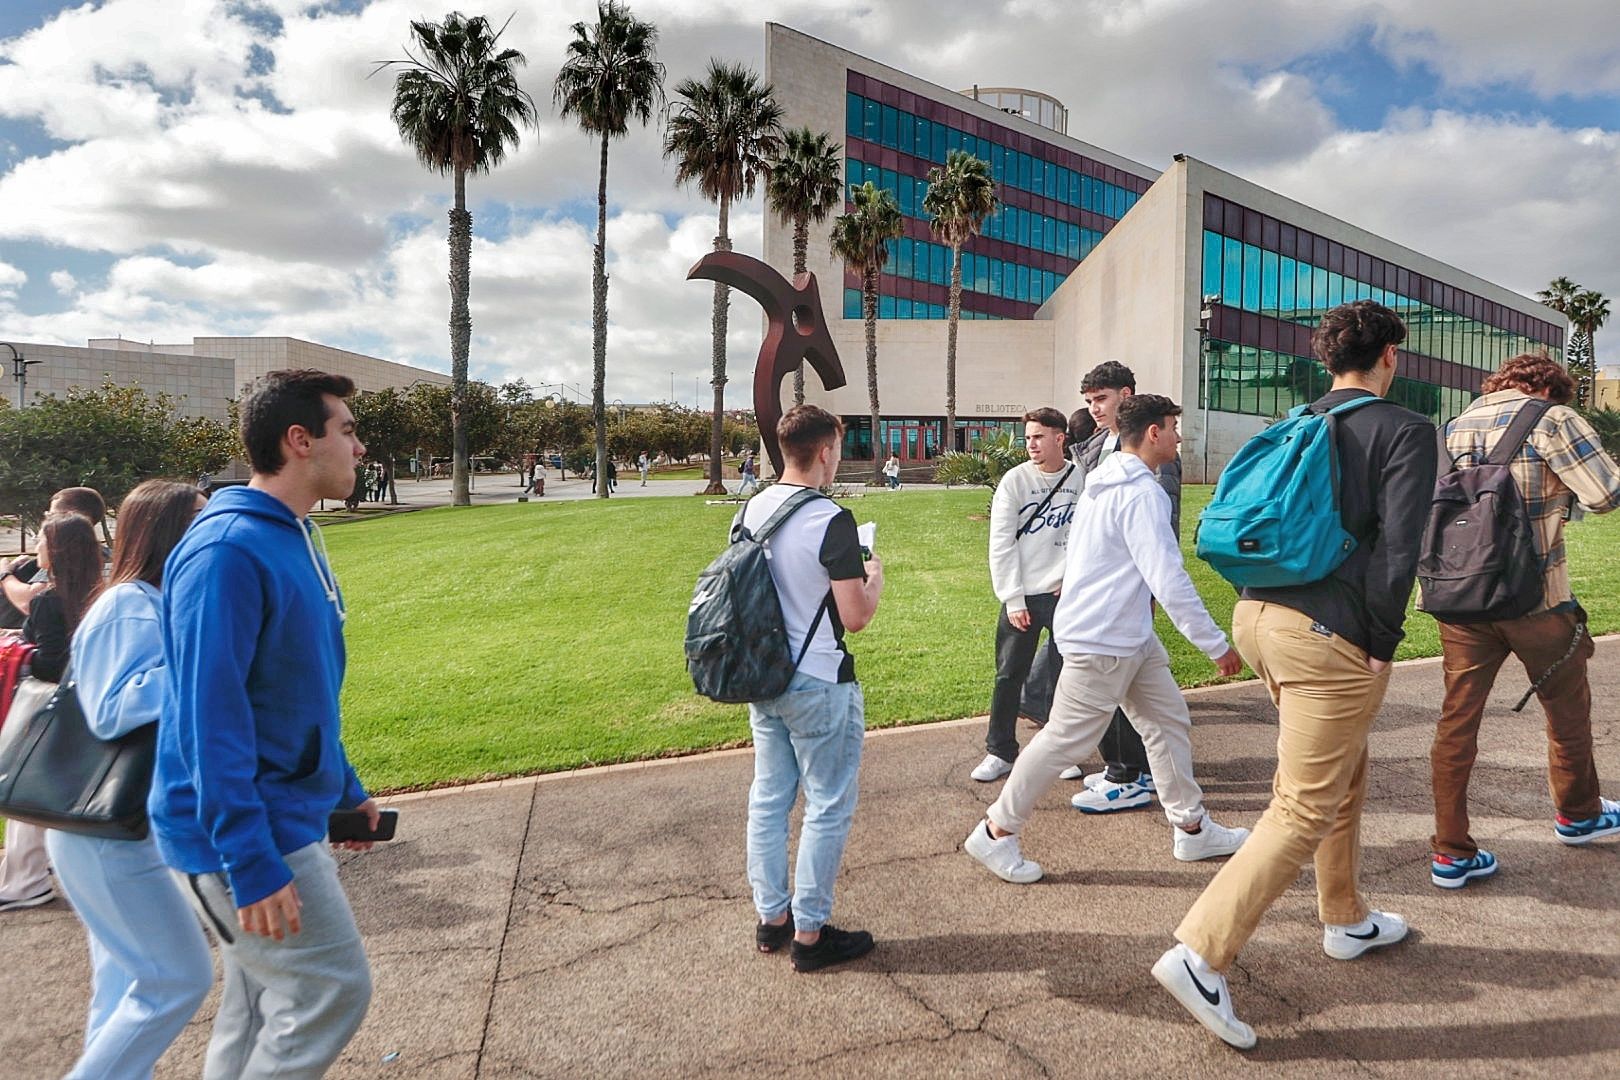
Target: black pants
pixel 1121 747
pixel 1015 652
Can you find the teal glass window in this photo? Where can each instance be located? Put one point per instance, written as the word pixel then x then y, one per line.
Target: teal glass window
pixel 1335 293
pixel 908 132
pixel 1268 283
pixel 853 124
pixel 1251 278
pixel 852 303
pixel 1287 274
pixel 937 135
pixel 997 162
pixel 937 261
pixel 903 256
pixel 1212 264
pixel 872 122
pixel 885 307
pixel 891 126
pixel 1232 274
pixel 1086 184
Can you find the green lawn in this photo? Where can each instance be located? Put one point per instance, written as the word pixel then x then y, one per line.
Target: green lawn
pixel 504 640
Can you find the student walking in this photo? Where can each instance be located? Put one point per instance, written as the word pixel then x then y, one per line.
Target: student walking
pixel 1323 650
pixel 1104 628
pixel 150 967
pixel 811 736
pixel 1560 461
pixel 891 472
pixel 641 466
pixel 250 759
pixel 1030 517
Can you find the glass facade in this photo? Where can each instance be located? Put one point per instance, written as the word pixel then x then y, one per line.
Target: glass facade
pixel 1273 282
pixel 1056 206
pixel 916 438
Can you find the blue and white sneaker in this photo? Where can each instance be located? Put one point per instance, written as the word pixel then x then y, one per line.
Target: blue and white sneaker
pixel 1098 780
pixel 1451 872
pixel 1607 823
pixel 1111 798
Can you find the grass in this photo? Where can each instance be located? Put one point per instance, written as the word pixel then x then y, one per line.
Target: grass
pixel 504 640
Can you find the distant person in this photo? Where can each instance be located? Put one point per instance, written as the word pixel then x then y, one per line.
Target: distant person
pixel 250 759
pixel 642 466
pixel 891 471
pixel 70 556
pixel 1323 650
pixel 1030 516
pixel 750 482
pixel 1561 462
pixel 1104 628
pixel 150 963
pixel 811 736
pixel 22 578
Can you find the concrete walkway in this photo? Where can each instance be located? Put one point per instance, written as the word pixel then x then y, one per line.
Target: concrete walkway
pixel 598 924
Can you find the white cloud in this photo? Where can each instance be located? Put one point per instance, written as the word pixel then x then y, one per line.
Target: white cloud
pixel 11 279
pixel 64 282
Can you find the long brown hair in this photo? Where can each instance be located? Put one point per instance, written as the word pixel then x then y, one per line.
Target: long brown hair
pixel 151 520
pixel 75 558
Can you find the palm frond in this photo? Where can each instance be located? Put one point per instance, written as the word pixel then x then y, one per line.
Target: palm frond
pixel 724 131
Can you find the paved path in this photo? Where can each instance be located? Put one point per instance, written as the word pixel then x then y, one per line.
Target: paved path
pixel 598 924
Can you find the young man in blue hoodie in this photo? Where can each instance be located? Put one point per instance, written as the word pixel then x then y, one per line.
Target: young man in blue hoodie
pixel 250 762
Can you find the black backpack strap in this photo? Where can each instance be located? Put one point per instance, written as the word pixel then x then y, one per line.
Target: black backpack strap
pixel 1524 422
pixel 815 624
pixel 1445 458
pixel 1041 509
pixel 775 521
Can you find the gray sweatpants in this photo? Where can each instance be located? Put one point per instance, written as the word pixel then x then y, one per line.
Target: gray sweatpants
pixel 287 1008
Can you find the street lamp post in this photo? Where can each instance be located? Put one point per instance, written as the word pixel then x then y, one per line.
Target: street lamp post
pixel 19 371
pixel 1205 313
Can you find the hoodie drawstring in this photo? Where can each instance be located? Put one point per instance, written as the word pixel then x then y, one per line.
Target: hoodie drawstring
pixel 323 568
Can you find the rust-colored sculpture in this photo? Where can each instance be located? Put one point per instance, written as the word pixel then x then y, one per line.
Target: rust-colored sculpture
pixel 796 332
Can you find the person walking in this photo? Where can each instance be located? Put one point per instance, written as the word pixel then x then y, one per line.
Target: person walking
pixel 1323 650
pixel 810 736
pixel 641 466
pixel 1560 462
pixel 250 759
pixel 150 966
pixel 891 471
pixel 1030 517
pixel 70 557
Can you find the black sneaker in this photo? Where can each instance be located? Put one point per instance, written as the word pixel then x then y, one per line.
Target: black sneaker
pixel 834 946
pixel 772 938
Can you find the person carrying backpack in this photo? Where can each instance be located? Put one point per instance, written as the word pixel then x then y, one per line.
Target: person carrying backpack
pixel 1554 460
pixel 810 735
pixel 1323 648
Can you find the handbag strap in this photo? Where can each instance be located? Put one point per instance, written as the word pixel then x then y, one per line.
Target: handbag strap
pixel 1041 509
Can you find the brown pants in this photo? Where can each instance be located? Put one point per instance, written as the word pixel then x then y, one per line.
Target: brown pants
pixel 1327 699
pixel 1473 655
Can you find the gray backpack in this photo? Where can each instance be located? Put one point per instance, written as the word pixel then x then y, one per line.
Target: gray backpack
pixel 736 639
pixel 1478 560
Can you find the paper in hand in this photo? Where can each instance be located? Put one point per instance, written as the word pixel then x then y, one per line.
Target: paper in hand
pixel 868 535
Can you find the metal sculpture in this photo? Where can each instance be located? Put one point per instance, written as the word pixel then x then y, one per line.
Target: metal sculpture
pixel 795 332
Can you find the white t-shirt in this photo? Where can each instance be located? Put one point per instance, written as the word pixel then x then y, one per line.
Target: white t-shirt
pixel 817 546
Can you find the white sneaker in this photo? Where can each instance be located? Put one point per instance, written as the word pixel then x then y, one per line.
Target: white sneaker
pixel 1111 798
pixel 1073 772
pixel 1002 856
pixel 1203 993
pixel 1374 932
pixel 1211 841
pixel 1099 780
pixel 39 898
pixel 991 768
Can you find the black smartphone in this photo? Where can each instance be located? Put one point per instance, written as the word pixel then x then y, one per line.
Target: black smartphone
pixel 344 825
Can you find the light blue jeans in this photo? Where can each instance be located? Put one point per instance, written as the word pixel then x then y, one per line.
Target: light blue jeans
pixel 811 737
pixel 149 959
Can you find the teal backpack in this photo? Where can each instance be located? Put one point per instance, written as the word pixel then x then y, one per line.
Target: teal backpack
pixel 1274 520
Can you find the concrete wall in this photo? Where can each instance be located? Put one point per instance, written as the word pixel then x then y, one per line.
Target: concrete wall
pixel 202 383
pixel 1606 389
pixel 255 356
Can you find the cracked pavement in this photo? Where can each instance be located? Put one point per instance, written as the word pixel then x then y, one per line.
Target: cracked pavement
pixel 599 924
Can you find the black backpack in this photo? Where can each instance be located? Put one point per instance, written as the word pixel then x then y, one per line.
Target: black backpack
pixel 1478 562
pixel 736 639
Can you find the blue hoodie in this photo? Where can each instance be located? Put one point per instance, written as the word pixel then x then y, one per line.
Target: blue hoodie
pixel 249 758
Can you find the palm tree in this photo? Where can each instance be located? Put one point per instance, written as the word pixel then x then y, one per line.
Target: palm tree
pixel 459 106
pixel 804 183
pixel 1587 314
pixel 1559 294
pixel 960 196
pixel 723 134
pixel 611 75
pixel 862 237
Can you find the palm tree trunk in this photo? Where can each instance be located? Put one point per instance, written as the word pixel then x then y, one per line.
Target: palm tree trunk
pixel 599 317
pixel 722 300
pixel 801 263
pixel 460 338
pixel 869 313
pixel 949 442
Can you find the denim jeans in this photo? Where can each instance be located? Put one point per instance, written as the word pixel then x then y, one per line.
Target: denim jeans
pixel 811 737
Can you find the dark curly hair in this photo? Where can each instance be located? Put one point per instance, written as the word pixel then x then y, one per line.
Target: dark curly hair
pixel 1139 412
pixel 1047 417
pixel 1109 375
pixel 1352 336
pixel 1533 373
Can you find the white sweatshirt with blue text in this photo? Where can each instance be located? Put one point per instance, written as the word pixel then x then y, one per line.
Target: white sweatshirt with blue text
pixel 1122 554
pixel 1030 562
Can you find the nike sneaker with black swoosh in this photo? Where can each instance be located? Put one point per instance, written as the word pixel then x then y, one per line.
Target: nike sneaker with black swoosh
pixel 1374 932
pixel 1203 993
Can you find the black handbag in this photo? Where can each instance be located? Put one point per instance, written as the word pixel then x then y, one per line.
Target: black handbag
pixel 57 774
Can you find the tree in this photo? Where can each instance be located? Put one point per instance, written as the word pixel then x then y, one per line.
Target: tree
pixel 1606 422
pixel 804 184
pixel 722 135
pixel 481 418
pixel 960 196
pixel 1587 315
pixel 390 427
pixel 459 107
pixel 611 74
pixel 862 237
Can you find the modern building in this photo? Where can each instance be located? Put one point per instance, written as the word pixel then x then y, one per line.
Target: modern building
pixel 203 374
pixel 1205 284
pixel 1606 388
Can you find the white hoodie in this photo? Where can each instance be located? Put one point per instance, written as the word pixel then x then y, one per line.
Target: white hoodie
pixel 1031 563
pixel 1122 553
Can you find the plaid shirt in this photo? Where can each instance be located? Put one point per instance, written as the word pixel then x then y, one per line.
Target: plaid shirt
pixel 1561 462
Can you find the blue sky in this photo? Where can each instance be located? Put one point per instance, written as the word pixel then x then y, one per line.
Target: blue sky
pixel 180 167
